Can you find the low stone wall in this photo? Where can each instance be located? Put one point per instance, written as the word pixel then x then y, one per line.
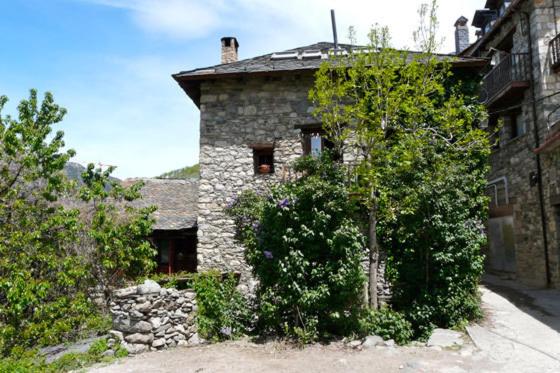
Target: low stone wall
pixel 149 317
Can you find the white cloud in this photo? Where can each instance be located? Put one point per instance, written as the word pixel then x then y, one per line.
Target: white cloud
pixel 275 22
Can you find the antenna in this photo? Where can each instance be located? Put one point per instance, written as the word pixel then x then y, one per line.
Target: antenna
pixel 333 21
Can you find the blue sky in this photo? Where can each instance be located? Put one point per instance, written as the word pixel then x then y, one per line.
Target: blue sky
pixel 109 62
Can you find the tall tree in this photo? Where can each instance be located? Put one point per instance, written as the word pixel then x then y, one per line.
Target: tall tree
pixel 384 108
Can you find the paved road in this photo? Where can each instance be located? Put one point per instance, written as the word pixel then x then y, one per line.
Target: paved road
pixel 522 329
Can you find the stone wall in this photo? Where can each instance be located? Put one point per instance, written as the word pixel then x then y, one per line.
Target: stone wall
pixel 515 159
pixel 148 317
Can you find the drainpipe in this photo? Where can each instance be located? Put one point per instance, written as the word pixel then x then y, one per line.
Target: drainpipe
pixel 537 144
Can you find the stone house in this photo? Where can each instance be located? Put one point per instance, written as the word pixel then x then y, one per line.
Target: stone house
pixel 255 118
pixel 521 91
pixel 175 228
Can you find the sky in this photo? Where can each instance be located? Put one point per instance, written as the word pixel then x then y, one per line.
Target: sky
pixel 109 62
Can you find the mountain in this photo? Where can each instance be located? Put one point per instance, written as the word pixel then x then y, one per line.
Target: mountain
pixel 74 171
pixel 189 172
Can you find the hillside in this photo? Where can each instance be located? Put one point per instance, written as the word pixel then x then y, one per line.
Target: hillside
pixel 189 172
pixel 74 171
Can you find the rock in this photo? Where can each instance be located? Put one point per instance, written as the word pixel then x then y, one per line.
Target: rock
pixel 389 343
pixel 163 328
pixel 180 328
pixel 445 338
pixel 126 292
pixel 116 335
pixel 149 287
pixel 180 300
pixel 143 307
pixel 156 322
pixel 121 323
pixel 134 348
pixel 141 327
pixel 355 344
pixel 139 338
pixel 179 337
pixel 372 341
pixel 108 353
pixel 195 339
pixel 160 342
pixel 182 343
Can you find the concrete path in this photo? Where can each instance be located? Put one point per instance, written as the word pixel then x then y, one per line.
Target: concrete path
pixel 521 332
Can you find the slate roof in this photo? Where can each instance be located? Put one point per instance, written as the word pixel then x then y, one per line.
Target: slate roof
pixel 307 58
pixel 176 201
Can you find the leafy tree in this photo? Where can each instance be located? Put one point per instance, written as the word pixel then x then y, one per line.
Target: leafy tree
pixel 411 137
pixel 52 256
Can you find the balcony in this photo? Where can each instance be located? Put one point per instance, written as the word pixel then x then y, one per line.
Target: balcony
pixel 505 83
pixel 555 53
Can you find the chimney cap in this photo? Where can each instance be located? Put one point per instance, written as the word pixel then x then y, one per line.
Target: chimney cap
pixel 462 21
pixel 229 38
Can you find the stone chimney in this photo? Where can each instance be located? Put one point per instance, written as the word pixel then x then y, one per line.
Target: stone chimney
pixel 461 35
pixel 229 49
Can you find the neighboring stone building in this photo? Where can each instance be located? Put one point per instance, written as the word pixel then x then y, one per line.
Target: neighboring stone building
pixel 255 118
pixel 521 91
pixel 174 231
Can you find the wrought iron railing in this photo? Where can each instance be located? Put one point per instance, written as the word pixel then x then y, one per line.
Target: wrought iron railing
pixel 513 68
pixel 555 52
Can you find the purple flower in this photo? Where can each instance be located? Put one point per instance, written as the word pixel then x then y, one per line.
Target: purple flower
pixel 267 254
pixel 284 203
pixel 256 225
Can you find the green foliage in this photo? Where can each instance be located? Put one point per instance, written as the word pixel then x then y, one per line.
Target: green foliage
pixel 305 249
pixel 222 310
pixel 189 172
pixel 178 280
pixel 51 255
pixel 387 324
pixel 422 163
pixel 32 363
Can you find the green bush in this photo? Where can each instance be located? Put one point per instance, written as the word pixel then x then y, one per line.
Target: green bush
pixel 222 310
pixel 387 324
pixel 305 249
pixel 54 255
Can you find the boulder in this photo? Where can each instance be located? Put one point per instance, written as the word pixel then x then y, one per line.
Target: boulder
pixel 116 335
pixel 195 339
pixel 143 307
pixel 141 327
pixel 156 322
pixel 135 348
pixel 149 287
pixel 372 341
pixel 445 338
pixel 139 338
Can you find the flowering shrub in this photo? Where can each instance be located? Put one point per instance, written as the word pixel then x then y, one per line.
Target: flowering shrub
pixel 222 311
pixel 306 249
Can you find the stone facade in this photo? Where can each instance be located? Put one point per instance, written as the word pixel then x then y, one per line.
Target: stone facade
pixel 235 113
pixel 148 317
pixel 514 175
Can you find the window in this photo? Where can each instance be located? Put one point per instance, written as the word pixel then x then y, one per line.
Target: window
pixel 514 124
pixel 314 142
pixel 263 158
pixel 163 251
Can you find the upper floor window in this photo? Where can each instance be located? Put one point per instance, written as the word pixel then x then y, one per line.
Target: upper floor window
pixel 315 142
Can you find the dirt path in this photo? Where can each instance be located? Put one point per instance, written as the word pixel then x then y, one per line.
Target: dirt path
pixel 274 357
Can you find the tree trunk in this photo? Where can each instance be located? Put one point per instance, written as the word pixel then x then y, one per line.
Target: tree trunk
pixel 373 254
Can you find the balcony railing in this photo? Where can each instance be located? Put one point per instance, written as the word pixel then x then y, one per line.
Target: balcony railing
pixel 555 52
pixel 506 79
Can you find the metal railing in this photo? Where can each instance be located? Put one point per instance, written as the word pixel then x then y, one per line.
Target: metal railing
pixel 555 51
pixel 513 68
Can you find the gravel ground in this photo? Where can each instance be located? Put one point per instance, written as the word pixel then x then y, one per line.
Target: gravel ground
pixel 246 357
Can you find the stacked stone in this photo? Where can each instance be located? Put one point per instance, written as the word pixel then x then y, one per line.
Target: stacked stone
pixel 149 317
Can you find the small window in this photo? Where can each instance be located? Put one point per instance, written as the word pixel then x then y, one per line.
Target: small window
pixel 516 124
pixel 263 159
pixel 314 142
